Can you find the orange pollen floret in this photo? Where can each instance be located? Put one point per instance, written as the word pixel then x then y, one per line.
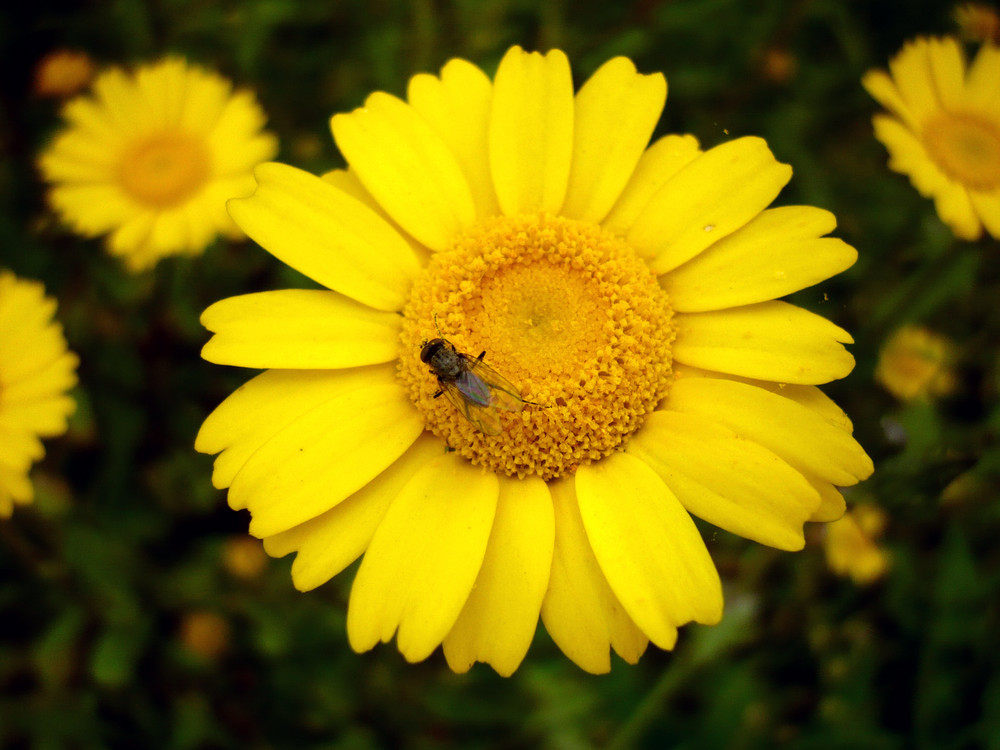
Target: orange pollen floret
pixel 564 311
pixel 164 169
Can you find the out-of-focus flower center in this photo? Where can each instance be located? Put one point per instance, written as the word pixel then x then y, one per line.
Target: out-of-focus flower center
pixel 164 169
pixel 563 310
pixel 967 148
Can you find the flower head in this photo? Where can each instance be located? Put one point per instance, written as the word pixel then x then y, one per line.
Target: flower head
pixel 943 130
pixel 151 158
pixel 36 370
pixel 851 545
pixel 63 73
pixel 204 634
pixel 243 557
pixel 635 366
pixel 916 363
pixel 977 22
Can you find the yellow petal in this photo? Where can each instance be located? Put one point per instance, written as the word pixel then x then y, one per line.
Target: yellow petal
pixel 204 103
pixel 531 131
pixel 423 560
pixel 580 611
pixel 800 436
pixel 832 506
pixel 710 198
pixel 777 253
pixel 168 233
pixel 736 484
pixel 327 235
pixel 44 418
pixel 324 456
pixel 299 329
pixel 648 547
pixel 981 83
pixel 987 207
pixel 16 486
pixel 908 156
pixel 880 85
pixel 330 542
pixel 96 122
pixel 954 206
pixel 771 341
pixel 91 209
pixel 616 111
pixel 235 140
pixel 407 168
pixel 813 398
pixel 160 90
pixel 809 396
pixel 911 71
pixel 498 622
pixel 121 102
pixel 19 448
pixel 348 181
pixel 259 409
pixel 79 156
pixel 51 378
pixel 31 349
pixel 457 106
pixel 948 70
pixel 217 193
pixel 130 242
pixel 658 165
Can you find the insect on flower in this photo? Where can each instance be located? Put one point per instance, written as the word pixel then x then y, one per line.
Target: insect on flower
pixel 475 388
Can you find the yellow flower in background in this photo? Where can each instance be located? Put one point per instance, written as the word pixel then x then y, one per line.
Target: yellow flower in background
pixel 978 22
pixel 943 130
pixel 243 557
pixel 150 158
pixel 624 297
pixel 916 363
pixel 36 370
pixel 851 548
pixel 205 634
pixel 63 73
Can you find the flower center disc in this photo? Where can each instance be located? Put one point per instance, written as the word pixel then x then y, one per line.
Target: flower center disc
pixel 967 148
pixel 564 311
pixel 164 169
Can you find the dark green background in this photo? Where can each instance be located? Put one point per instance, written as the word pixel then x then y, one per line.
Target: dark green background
pixel 126 535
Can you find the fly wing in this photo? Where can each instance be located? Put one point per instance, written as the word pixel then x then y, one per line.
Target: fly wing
pixel 503 394
pixel 484 417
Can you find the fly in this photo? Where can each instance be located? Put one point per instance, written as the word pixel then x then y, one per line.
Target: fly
pixel 475 388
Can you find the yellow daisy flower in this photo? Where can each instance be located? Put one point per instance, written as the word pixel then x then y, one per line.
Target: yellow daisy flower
pixel 851 548
pixel 151 158
pixel 36 370
pixel 637 368
pixel 916 363
pixel 977 22
pixel 63 73
pixel 944 129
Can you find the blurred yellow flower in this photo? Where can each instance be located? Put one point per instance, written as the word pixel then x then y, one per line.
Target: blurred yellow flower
pixel 204 633
pixel 943 130
pixel 916 363
pixel 151 158
pixel 36 370
pixel 244 557
pixel 63 73
pixel 978 22
pixel 628 292
pixel 851 548
pixel 779 65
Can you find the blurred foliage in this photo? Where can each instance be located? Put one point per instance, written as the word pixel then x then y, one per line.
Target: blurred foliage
pixel 124 627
